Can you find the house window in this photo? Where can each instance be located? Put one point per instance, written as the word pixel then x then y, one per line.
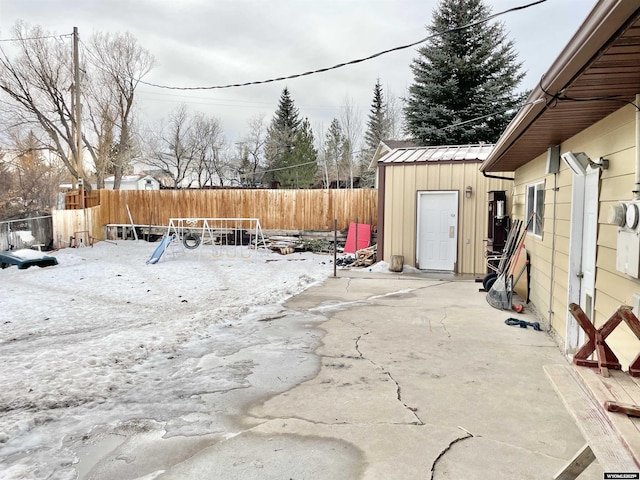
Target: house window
pixel 535 208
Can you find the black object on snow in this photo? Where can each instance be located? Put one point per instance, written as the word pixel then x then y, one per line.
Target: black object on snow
pixel 523 324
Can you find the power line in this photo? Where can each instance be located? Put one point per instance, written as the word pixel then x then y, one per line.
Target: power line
pixel 36 38
pixel 497 112
pixel 287 167
pixel 351 62
pixel 221 102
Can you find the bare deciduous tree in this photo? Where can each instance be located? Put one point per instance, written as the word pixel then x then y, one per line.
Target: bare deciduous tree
pixel 102 117
pixel 36 76
pixel 120 63
pixel 251 152
pixel 37 82
pixel 351 123
pixel 322 175
pixel 34 176
pixel 191 150
pixel 210 163
pixel 169 148
pixel 395 117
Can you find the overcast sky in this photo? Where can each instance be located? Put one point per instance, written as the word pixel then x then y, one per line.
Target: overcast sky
pixel 217 42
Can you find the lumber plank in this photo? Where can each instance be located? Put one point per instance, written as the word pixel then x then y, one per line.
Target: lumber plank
pixel 577 464
pixel 615 388
pixel 627 408
pixel 591 419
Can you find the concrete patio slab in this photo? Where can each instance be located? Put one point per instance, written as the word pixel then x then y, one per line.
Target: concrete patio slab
pixel 426 380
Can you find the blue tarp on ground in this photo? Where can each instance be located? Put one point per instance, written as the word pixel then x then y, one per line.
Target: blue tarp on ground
pixel 25 258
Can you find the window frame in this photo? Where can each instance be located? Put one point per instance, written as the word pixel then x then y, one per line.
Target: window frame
pixel 534 202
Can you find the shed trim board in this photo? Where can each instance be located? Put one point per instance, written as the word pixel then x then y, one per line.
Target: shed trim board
pixel 382 182
pixel 437 230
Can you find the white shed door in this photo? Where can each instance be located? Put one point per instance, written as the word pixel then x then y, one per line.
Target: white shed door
pixel 437 242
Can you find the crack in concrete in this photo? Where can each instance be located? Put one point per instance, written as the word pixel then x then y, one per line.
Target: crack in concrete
pixel 413 410
pixel 358 345
pixel 447 448
pixel 266 419
pixel 444 327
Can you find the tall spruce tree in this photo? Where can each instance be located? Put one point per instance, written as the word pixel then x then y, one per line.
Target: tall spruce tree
pixel 281 135
pixel 378 123
pixel 298 168
pixel 463 74
pixel 378 129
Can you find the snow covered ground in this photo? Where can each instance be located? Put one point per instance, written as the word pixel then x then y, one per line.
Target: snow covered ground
pixel 103 344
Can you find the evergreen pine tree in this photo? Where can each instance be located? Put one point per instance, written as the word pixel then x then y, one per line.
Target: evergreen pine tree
pixel 286 117
pixel 298 167
pixel 378 124
pixel 462 75
pixel 336 152
pixel 281 133
pixel 378 129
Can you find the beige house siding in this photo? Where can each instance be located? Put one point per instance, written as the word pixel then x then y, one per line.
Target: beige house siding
pixel 537 248
pixel 404 181
pixel 540 248
pixel 612 138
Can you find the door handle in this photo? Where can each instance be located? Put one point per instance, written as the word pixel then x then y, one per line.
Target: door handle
pixel 452 232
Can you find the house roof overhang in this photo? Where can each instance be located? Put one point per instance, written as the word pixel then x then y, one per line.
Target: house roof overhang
pixel 596 74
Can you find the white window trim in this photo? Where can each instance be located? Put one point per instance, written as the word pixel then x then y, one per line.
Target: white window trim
pixel 537 228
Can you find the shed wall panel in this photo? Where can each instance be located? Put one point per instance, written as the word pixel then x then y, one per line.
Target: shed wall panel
pixel 404 181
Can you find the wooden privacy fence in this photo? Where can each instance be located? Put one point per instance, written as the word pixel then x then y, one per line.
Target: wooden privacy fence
pixel 80 224
pixel 276 209
pixel 72 199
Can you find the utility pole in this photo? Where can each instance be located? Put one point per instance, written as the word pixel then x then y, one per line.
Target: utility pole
pixel 77 114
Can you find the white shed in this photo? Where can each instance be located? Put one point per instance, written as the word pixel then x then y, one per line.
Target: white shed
pixel 134 182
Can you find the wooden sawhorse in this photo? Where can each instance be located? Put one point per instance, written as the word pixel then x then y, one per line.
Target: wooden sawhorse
pixel 603 400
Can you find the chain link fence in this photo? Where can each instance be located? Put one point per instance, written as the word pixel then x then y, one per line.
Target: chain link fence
pixel 27 233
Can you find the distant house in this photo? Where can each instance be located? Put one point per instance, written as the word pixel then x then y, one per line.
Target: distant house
pixel 433 206
pixel 585 245
pixel 224 175
pixel 134 182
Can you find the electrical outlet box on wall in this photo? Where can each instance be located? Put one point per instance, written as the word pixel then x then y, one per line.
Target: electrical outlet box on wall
pixel 626 215
pixel 628 253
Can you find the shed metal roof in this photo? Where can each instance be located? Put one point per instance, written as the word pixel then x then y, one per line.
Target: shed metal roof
pixel 449 153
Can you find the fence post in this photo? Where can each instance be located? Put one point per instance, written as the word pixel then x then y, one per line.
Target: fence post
pixel 335 246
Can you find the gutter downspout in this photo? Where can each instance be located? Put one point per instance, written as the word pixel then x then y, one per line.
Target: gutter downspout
pixel 498 177
pixel 553 247
pixel 636 191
